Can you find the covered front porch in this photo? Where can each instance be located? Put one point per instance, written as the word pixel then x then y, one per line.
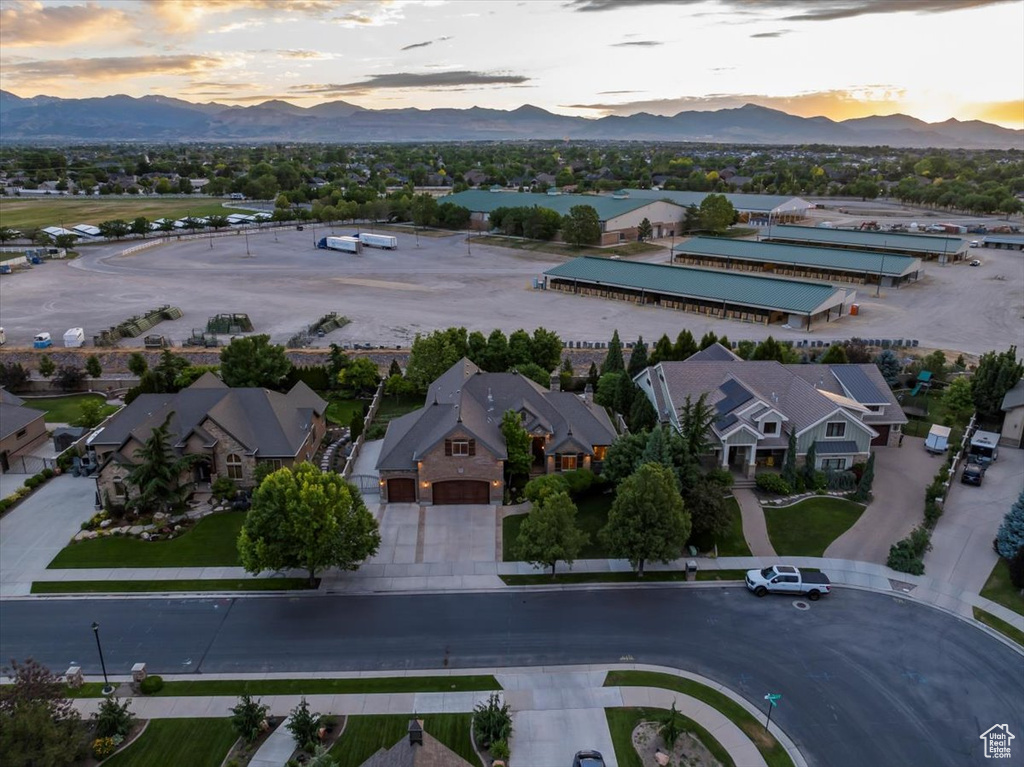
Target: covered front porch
pixel 746 460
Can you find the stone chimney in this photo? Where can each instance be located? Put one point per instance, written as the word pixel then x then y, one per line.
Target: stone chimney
pixel 556 382
pixel 415 732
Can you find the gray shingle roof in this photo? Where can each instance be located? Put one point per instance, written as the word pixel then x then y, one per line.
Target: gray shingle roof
pixel 878 393
pixel 6 398
pixel 836 259
pixel 267 423
pixel 714 353
pixel 1014 397
pixel 759 291
pixel 914 243
pixel 480 400
pixel 14 418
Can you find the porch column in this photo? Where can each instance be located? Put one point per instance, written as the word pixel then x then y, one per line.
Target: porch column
pixel 725 456
pixel 751 461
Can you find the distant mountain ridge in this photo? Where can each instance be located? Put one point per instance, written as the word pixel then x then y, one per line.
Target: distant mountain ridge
pixel 161 118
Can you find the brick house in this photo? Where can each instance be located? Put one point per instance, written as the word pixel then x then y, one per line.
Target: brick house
pixel 452 451
pixel 234 429
pixel 843 410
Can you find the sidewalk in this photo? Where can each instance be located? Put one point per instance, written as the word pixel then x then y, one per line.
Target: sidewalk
pixel 755 529
pixel 556 710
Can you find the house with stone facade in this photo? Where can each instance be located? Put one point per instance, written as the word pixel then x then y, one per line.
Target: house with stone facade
pixel 452 451
pixel 235 430
pixel 843 410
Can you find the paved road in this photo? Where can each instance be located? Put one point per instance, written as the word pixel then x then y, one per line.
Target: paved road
pixel 867 678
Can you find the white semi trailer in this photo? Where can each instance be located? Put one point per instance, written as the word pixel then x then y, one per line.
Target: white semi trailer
pixel 344 244
pixel 385 241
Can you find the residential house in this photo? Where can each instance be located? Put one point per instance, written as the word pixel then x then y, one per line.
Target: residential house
pixel 842 410
pixel 22 429
pixel 417 749
pixel 233 429
pixel 452 450
pixel 1013 421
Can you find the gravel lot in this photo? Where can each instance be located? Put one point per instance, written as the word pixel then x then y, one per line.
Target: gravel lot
pixel 284 284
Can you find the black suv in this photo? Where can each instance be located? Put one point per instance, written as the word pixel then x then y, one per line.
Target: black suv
pixel 588 759
pixel 973 474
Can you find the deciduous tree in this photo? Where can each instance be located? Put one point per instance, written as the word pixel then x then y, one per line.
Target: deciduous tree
pixel 549 533
pixel 93 368
pixel 581 226
pixel 996 375
pixel 647 520
pixel 716 213
pixel 254 362
pixel 38 725
pixel 303 518
pixel 518 446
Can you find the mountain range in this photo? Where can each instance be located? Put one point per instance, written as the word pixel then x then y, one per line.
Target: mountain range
pixel 161 119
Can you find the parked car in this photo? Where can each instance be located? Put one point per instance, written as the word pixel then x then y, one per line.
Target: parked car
pixel 588 759
pixel 975 262
pixel 783 579
pixel 974 244
pixel 973 474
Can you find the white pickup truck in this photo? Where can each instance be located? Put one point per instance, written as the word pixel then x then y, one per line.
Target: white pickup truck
pixel 783 579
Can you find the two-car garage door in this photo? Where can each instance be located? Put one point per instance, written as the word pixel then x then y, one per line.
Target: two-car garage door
pixel 461 491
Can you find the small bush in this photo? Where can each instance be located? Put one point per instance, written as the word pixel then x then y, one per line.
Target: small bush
pixel 721 477
pixel 499 750
pixel 539 488
pixel 579 481
pixel 103 747
pixel 304 726
pixel 491 721
pixel 223 488
pixel 47 473
pixel 151 685
pixel 772 483
pixel 113 718
pixel 31 483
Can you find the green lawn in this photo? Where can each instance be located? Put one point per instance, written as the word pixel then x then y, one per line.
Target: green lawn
pixel 733 544
pixel 772 751
pixel 340 411
pixel 622 722
pixel 23 214
pixel 177 742
pixel 365 735
pixel 122 587
pixel 211 543
pixel 591 516
pixel 68 409
pixel 1001 590
pixel 999 625
pixel 807 528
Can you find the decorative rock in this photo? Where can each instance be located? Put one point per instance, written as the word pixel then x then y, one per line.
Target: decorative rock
pixel 159 516
pixel 135 529
pixel 177 528
pixel 105 524
pixel 145 536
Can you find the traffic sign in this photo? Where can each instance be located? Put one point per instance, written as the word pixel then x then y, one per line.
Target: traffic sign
pixel 773 698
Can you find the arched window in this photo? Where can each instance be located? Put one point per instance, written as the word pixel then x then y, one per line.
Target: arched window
pixel 234 464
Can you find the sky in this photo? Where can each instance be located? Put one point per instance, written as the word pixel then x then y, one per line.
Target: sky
pixel 931 59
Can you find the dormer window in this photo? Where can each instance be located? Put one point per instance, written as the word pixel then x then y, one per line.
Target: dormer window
pixel 769 428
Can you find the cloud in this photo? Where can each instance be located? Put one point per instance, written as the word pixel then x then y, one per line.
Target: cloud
pixel 1009 114
pixel 304 55
pixel 801 10
pixel 616 93
pixel 839 104
pixel 111 68
pixel 777 33
pixel 427 80
pixel 187 16
pixel 638 44
pixel 26 23
pixel 416 45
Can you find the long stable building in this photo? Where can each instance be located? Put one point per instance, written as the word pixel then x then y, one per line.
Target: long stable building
pixel 799 261
pixel 750 207
pixel 725 295
pixel 928 247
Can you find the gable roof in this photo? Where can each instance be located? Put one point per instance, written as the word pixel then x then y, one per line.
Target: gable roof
pixel 267 423
pixel 1014 398
pixel 6 398
pixel 464 397
pixel 432 753
pixel 714 353
pixel 14 418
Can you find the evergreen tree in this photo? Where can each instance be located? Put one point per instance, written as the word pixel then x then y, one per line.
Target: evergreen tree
pixel 1010 537
pixel 708 339
pixel 663 351
pixel 810 473
pixel 889 366
pixel 637 358
pixel 47 367
pixel 834 355
pixel 685 346
pixel 625 393
pixel 593 376
pixel 866 480
pixel 518 446
pixel 613 360
pixel 769 349
pixel 157 475
pixel 642 415
pixel 395 369
pixel 996 375
pixel 789 465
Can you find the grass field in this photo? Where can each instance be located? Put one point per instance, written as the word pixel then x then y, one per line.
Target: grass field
pixel 1001 590
pixel 365 735
pixel 340 411
pixel 126 587
pixel 176 742
pixel 622 722
pixel 591 516
pixel 733 544
pixel 68 409
pixel 30 214
pixel 999 625
pixel 772 751
pixel 807 528
pixel 211 543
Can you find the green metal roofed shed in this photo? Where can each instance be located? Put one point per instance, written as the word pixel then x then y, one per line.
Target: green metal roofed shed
pixel 802 261
pixel 706 291
pixel 479 201
pixel 943 248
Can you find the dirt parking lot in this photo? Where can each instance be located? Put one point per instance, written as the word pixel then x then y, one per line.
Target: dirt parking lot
pixel 283 283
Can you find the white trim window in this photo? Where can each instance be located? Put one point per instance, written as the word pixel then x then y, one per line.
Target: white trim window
pixel 568 462
pixel 234 466
pixel 460 448
pixel 833 464
pixel 835 429
pixel 770 428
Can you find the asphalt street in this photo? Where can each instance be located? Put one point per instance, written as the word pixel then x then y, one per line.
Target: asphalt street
pixel 866 678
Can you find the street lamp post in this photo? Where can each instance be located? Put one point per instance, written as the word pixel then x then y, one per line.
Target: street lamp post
pixel 108 688
pixel 469 248
pixel 247 251
pixel 881 270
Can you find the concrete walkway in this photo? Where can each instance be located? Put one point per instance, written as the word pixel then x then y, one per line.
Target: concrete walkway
pixel 755 530
pixel 901 476
pixel 556 710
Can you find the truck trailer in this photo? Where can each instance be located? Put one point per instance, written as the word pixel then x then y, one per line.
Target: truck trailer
pixel 343 244
pixel 385 241
pixel 74 338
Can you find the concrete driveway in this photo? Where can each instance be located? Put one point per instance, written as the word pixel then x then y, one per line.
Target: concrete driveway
pixel 901 476
pixel 40 526
pixel 413 534
pixel 962 542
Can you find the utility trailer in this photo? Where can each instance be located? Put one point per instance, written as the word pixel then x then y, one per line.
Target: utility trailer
pixel 342 244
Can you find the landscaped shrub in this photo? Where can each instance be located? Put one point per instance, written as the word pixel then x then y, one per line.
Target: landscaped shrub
pixel 539 488
pixel 491 721
pixel 499 750
pixel 103 747
pixel 151 685
pixel 721 477
pixel 907 555
pixel 113 718
pixel 579 480
pixel 4 505
pixel 248 717
pixel 47 473
pixel 772 483
pixel 840 481
pixel 223 489
pixel 32 483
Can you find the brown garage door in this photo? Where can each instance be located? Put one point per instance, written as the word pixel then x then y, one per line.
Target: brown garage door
pixel 461 491
pixel 401 491
pixel 883 436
